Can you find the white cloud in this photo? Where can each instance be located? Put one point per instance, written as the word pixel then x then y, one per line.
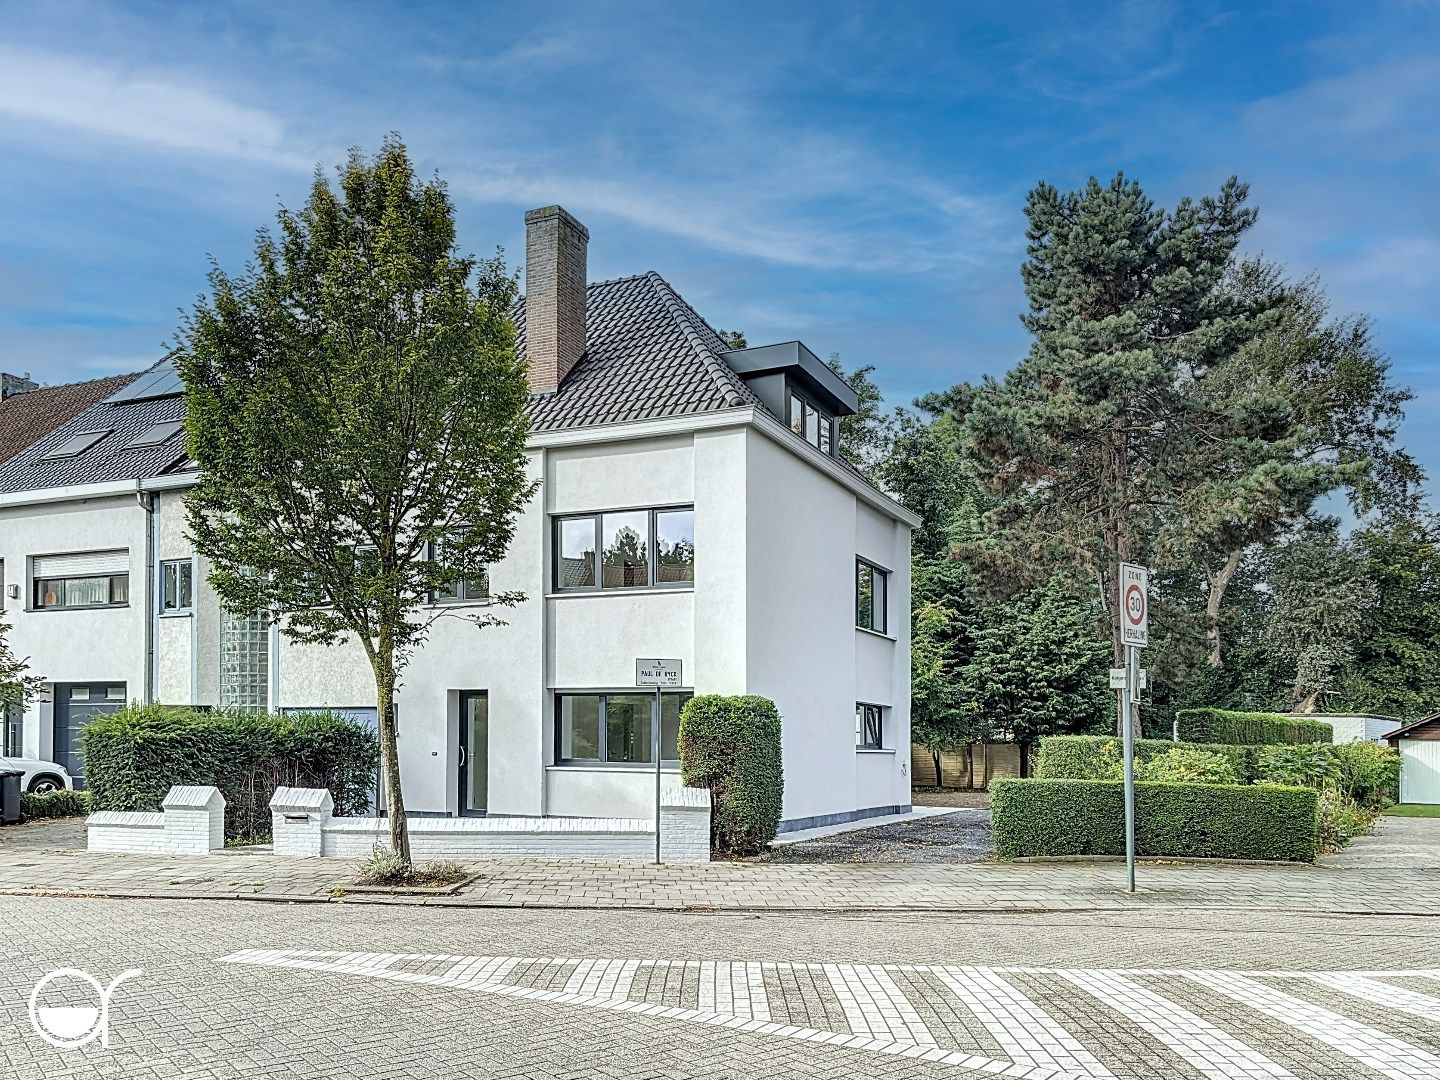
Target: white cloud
pixel 152 107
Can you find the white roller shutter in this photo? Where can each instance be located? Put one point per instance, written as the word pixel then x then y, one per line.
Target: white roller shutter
pixel 82 564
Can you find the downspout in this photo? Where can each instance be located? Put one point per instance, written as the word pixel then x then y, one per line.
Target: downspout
pixel 547 699
pixel 194 630
pixel 148 503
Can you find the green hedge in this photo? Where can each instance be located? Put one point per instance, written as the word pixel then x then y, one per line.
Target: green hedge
pixel 1250 728
pixel 1100 757
pixel 1215 821
pixel 57 804
pixel 133 757
pixel 731 745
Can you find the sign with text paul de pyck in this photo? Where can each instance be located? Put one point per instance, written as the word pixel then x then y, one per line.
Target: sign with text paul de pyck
pixel 1134 605
pixel 658 673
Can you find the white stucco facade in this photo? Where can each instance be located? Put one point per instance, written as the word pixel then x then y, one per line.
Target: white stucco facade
pixel 778 527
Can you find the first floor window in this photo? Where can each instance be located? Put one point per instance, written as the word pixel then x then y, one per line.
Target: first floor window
pixel 869 726
pixel 617 728
pixel 474 587
pixel 870 598
pixel 111 589
pixel 625 549
pixel 177 586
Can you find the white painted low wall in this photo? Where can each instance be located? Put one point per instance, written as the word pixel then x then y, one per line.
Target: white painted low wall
pixel 191 821
pixel 304 824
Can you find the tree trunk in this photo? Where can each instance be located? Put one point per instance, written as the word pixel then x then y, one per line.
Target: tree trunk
pixel 383 664
pixel 1217 581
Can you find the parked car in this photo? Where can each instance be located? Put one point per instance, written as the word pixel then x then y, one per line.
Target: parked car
pixel 41 777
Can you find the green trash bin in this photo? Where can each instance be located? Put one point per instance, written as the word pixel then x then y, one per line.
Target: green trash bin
pixel 10 796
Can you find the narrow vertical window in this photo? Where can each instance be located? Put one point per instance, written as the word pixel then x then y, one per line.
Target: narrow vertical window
pixel 870 600
pixel 177 587
pixel 869 726
pixel 674 546
pixel 575 554
pixel 797 415
pixel 626 561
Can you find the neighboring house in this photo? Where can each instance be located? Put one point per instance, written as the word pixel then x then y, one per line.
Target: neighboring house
pixel 28 412
pixel 1357 727
pixel 1419 746
pixel 692 505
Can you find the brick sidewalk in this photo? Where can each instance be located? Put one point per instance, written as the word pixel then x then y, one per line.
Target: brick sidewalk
pixel 1395 871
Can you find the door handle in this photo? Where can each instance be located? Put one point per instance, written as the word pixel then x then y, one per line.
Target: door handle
pixel 462 755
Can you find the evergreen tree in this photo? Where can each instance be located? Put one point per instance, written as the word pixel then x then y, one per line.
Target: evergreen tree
pixel 1090 445
pixel 357 408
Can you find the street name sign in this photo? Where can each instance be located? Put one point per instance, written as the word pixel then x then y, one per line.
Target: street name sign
pixel 1134 605
pixel 658 673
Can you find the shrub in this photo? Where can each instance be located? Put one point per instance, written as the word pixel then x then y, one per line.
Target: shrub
pixel 1099 757
pixel 1250 728
pixel 1087 817
pixel 731 745
pixel 1188 765
pixel 57 804
pixel 384 867
pixel 136 755
pixel 1300 766
pixel 1368 773
pixel 1338 818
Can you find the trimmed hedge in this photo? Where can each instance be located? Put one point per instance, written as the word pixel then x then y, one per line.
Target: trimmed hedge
pixel 1250 728
pixel 731 745
pixel 1209 821
pixel 133 757
pixel 57 804
pixel 1100 757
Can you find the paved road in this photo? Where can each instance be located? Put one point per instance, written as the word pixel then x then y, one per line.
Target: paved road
pixel 234 988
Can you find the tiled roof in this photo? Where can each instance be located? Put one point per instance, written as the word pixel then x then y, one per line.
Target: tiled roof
pixel 649 355
pixel 27 417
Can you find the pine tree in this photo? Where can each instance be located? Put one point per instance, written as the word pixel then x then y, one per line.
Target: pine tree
pixel 1090 445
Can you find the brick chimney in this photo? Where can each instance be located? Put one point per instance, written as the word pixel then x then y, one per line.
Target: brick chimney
pixel 555 247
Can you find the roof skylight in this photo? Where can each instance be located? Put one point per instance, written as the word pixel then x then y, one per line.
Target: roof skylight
pixel 76 444
pixel 156 434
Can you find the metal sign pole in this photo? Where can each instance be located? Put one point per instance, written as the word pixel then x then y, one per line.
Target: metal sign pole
pixel 655 742
pixel 1127 732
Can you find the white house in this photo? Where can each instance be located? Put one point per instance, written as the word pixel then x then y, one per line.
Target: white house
pixel 770 567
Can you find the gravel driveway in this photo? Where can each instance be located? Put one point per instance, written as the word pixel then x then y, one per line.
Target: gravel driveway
pixel 963 836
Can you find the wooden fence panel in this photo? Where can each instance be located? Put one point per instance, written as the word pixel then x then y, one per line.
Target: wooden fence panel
pixel 969 767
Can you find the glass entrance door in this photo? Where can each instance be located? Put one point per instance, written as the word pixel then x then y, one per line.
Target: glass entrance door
pixel 474 751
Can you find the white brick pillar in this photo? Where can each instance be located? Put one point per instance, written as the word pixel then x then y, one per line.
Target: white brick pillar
pixel 298 817
pixel 685 825
pixel 194 820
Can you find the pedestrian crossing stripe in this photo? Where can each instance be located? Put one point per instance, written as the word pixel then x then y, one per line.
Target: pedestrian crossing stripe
pixel 882 1018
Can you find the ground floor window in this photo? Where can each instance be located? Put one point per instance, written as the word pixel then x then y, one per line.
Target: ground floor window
pixel 869 726
pixel 616 728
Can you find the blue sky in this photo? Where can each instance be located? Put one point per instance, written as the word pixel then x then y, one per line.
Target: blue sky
pixel 850 174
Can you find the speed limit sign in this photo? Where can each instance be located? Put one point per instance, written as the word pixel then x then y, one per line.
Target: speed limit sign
pixel 1134 605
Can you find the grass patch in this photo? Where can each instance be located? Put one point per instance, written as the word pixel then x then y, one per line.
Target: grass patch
pixel 387 869
pixel 1413 810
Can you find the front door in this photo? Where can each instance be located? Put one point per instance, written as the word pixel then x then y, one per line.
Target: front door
pixel 76 704
pixel 474 752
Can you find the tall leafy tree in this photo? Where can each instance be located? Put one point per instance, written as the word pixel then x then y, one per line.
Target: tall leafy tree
pixel 356 405
pixel 1322 415
pixel 866 436
pixel 1321 599
pixel 1090 444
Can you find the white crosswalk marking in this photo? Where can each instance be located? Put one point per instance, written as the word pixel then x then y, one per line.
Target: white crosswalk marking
pixel 1384 1053
pixel 1024 1031
pixel 874 1006
pixel 883 1019
pixel 737 989
pixel 1204 1046
pixel 1396 998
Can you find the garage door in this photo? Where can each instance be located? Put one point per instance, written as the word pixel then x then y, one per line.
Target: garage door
pixel 76 704
pixel 1420 771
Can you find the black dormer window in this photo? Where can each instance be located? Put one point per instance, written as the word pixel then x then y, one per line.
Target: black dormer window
pixel 811 423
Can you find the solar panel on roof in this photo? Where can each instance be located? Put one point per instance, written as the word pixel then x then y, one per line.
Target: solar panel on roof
pixel 75 445
pixel 156 434
pixel 160 381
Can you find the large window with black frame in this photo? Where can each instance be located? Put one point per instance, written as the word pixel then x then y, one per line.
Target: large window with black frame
pixel 616 727
pixel 871 588
pixel 625 549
